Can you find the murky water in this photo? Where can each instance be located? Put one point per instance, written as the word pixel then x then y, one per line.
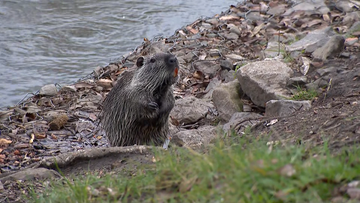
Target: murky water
pixel 60 41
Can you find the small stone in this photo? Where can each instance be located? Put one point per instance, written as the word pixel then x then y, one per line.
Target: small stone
pixel 285 107
pixel 226 64
pixel 231 36
pixel 332 48
pixel 207 67
pixel 357 33
pixel 212 21
pixel 297 81
pixel 354 193
pixel 48 90
pixel 326 71
pixel 241 120
pixel 214 52
pixel 227 76
pixel 345 55
pixel 351 41
pixel 70 88
pixel 277 10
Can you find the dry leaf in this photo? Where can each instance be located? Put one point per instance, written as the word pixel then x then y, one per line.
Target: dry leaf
pixel 17 152
pixel 198 75
pixel 4 141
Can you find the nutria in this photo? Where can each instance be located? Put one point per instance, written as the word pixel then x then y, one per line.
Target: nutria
pixel 136 110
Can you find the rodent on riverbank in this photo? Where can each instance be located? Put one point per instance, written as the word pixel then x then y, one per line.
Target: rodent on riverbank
pixel 136 110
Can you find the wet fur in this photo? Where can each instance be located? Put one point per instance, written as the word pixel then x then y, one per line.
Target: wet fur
pixel 136 110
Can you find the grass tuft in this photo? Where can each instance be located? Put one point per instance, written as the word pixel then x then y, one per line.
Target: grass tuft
pixel 304 94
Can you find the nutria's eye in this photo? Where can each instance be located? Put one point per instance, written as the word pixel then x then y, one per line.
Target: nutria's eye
pixel 152 60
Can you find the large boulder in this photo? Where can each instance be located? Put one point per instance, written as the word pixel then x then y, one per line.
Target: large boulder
pixel 265 80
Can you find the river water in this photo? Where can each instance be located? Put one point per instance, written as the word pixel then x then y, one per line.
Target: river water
pixel 59 41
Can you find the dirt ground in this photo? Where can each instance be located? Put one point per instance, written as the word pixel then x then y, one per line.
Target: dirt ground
pixel 334 116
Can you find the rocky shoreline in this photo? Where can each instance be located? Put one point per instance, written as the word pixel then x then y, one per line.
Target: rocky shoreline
pixel 237 69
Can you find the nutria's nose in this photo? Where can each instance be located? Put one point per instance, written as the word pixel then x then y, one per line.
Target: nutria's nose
pixel 172 60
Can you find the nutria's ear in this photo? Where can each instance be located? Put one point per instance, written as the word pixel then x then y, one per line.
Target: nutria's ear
pixel 140 62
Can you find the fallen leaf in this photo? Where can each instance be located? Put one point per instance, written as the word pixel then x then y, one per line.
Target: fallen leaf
pixel 229 17
pixel 192 30
pixel 17 152
pixel 4 141
pixel 40 136
pixel 53 136
pixel 198 75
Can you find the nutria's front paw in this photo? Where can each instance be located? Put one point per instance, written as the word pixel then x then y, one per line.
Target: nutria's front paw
pixel 153 106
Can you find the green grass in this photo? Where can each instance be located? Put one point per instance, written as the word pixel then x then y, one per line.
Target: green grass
pixel 287 56
pixel 246 170
pixel 304 94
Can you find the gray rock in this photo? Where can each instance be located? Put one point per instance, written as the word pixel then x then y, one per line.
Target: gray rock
pixel 314 38
pixel 189 56
pixel 70 88
pixel 226 64
pixel 332 48
pixel 319 83
pixel 212 21
pixel 197 137
pixel 277 10
pixel 227 99
pixel 264 80
pixel 234 29
pixel 190 110
pixel 206 25
pixel 325 71
pixel 48 90
pixel 214 52
pixel 31 173
pixel 207 67
pixel 285 107
pixel 211 87
pixel 345 6
pixel 240 120
pixel 273 48
pixel 231 36
pixel 351 19
pixel 309 5
pixel 297 81
pixel 355 26
pixel 227 76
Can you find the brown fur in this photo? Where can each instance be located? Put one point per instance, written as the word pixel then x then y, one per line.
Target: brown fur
pixel 136 110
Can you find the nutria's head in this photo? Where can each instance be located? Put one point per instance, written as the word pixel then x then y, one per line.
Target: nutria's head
pixel 158 70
